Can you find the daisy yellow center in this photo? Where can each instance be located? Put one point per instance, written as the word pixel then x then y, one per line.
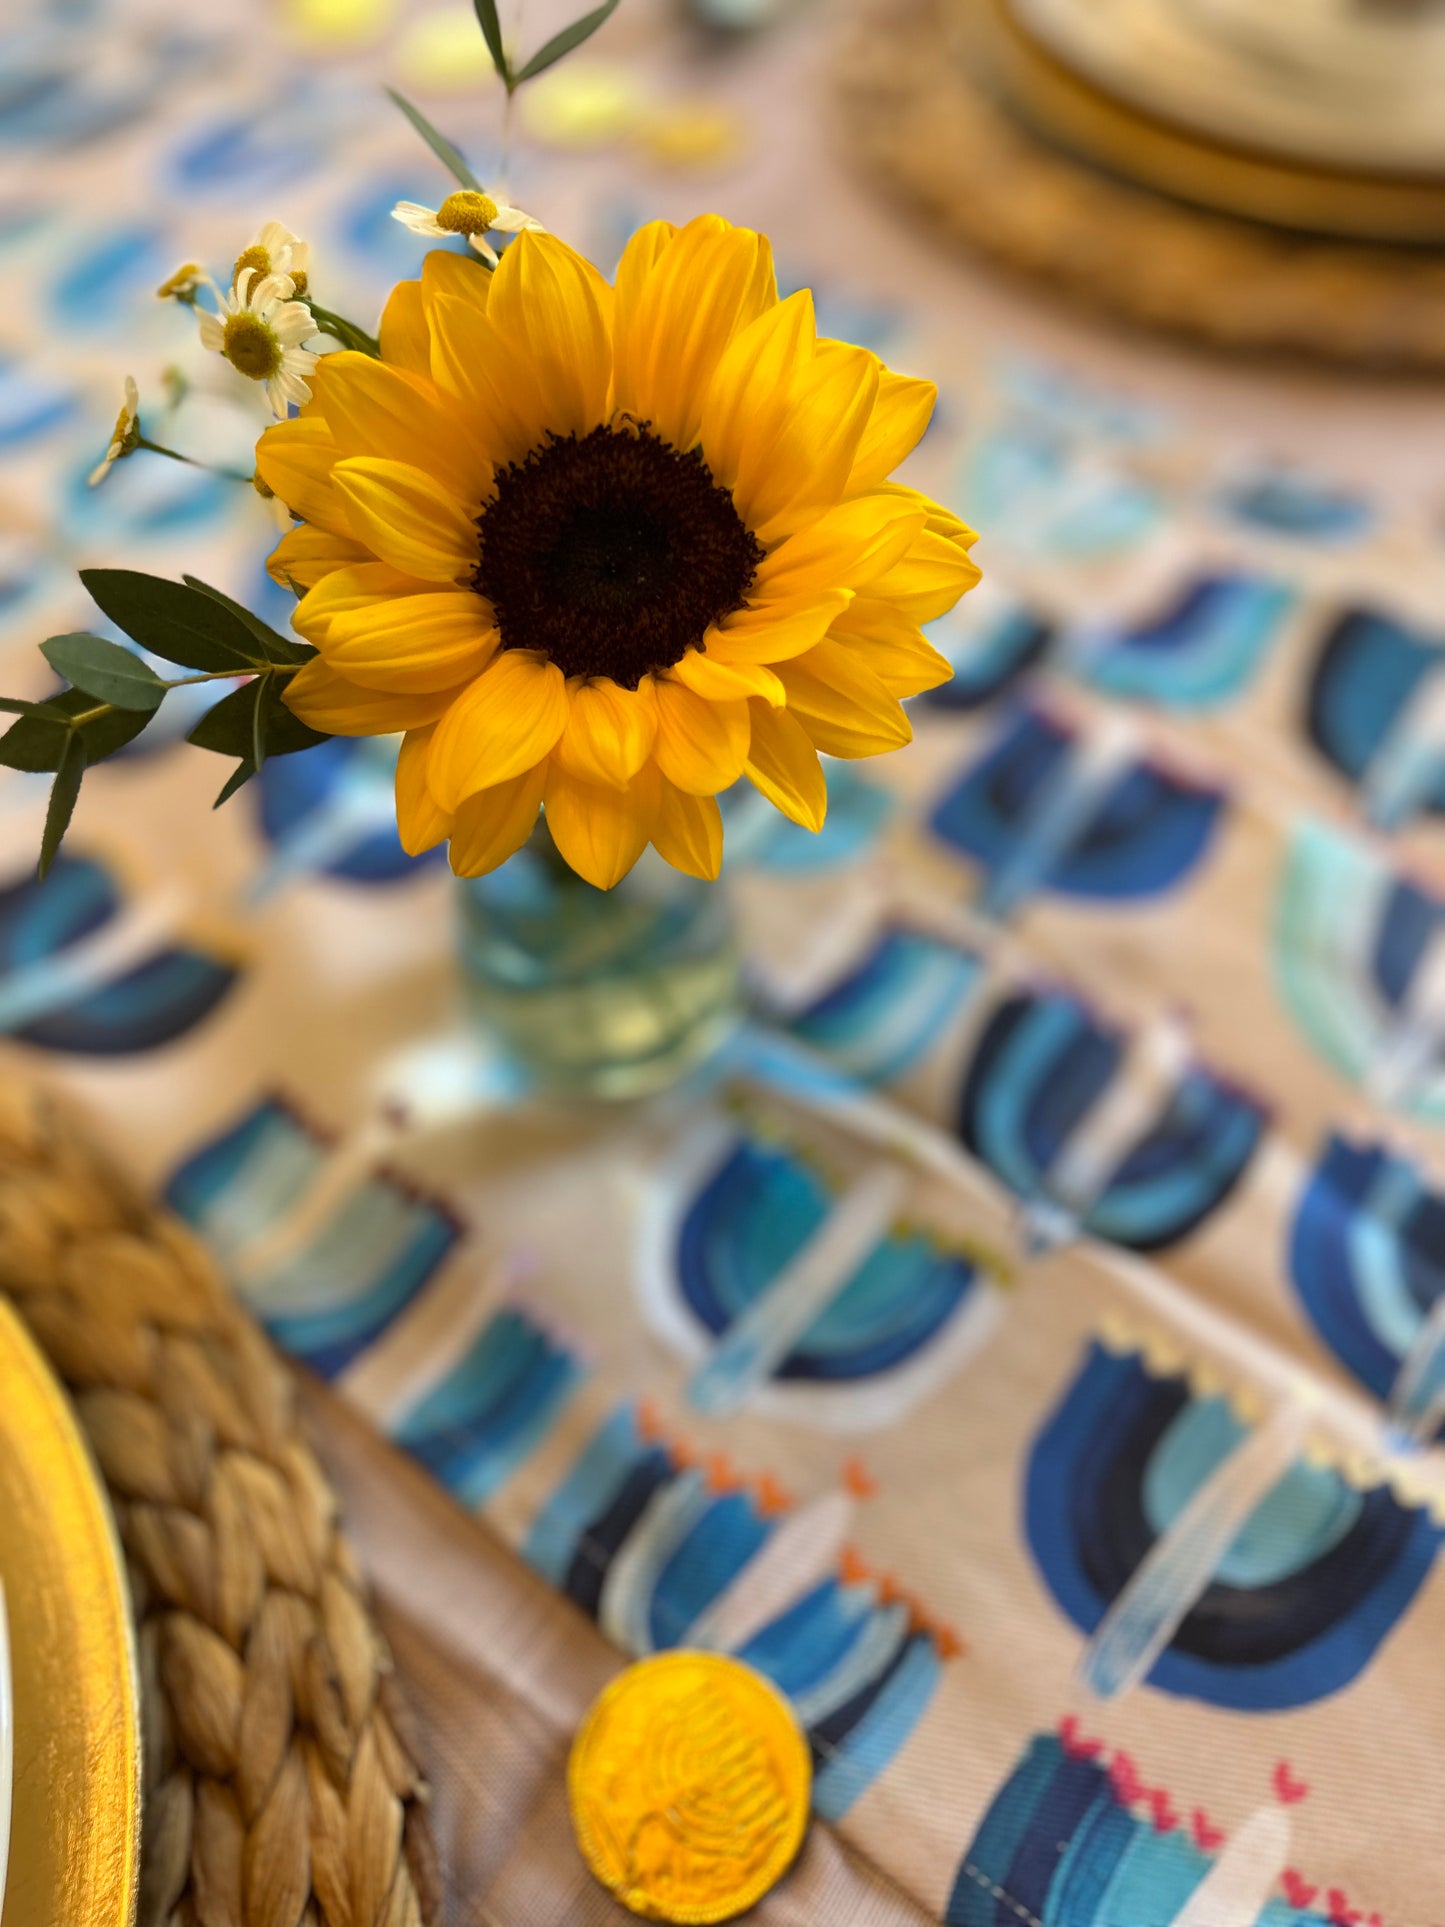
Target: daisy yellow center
pixel 250 345
pixel 612 553
pixel 467 212
pixel 257 258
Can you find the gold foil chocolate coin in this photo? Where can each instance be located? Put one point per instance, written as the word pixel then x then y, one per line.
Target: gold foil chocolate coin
pixel 689 1784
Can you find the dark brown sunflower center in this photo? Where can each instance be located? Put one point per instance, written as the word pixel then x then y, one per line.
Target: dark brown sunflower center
pixel 612 553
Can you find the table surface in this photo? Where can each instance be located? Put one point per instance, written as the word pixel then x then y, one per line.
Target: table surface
pixel 920 1515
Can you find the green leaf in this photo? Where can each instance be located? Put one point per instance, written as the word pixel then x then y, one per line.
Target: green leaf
pixel 105 670
pixel 564 42
pixel 182 624
pixel 277 648
pixel 230 729
pixel 63 792
pixel 239 777
pixel 258 726
pixel 449 156
pixel 15 707
pixel 491 28
pixel 37 741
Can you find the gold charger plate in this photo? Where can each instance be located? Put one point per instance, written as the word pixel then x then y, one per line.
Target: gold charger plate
pixel 75 1823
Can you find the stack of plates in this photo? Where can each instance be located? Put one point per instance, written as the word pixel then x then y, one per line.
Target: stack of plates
pixel 69 1740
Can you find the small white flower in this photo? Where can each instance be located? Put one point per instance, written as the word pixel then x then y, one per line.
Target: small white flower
pixel 466 212
pixel 259 329
pixel 125 435
pixel 184 285
pixel 275 250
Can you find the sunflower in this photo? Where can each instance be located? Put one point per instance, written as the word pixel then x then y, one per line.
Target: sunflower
pixel 605 551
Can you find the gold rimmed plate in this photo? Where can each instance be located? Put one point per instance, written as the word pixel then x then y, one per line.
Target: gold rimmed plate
pixel 75 1799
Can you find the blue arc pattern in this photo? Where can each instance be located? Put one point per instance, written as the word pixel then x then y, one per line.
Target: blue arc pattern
pixel 878 1021
pixel 1368 668
pixel 987 660
pixel 1201 652
pixel 1059 1848
pixel 56 1001
pixel 1315 1581
pixel 1040 1065
pixel 756 1212
pixel 1349 935
pixel 858 1669
pixel 1151 830
pixel 493 1408
pixel 332 1299
pixel 331 810
pixel 1367 1258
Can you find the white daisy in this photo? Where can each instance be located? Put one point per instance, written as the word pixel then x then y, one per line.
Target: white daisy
pixel 260 329
pixel 125 436
pixel 276 250
pixel 466 212
pixel 185 284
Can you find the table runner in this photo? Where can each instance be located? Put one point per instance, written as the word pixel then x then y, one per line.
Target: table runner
pixel 1155 879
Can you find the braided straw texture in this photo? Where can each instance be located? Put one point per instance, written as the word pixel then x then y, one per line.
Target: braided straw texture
pixel 914 113
pixel 279 1791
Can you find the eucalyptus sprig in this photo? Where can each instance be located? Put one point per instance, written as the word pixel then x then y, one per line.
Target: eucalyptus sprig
pixel 114 694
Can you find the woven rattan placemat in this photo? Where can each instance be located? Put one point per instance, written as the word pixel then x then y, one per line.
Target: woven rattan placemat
pixel 921 107
pixel 280 1789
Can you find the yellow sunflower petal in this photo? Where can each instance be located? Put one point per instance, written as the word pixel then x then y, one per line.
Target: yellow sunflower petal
pixel 406 517
pixel 328 701
pixel 344 591
pixel 295 460
pixel 938 519
pixel 701 746
pixel 717 681
pixel 306 556
pixel 421 823
pixel 783 764
pixel 403 334
pixel 469 363
pixel 449 276
pixel 893 646
pixel 849 547
pixel 929 579
pixel 414 642
pixel 761 361
pixel 375 410
pixel 600 831
pixel 708 285
pixel 495 823
pixel 552 311
pixel 610 731
pixel 773 631
pixel 901 413
pixel 639 258
pixel 845 708
pixel 802 437
pixel 502 723
pixel 687 831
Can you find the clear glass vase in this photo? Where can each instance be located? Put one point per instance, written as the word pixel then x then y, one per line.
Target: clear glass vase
pixel 599 993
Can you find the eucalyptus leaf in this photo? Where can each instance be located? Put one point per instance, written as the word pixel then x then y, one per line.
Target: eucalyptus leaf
pixel 104 669
pixel 230 728
pixel 238 779
pixel 563 43
pixel 184 625
pixel 491 28
pixel 63 793
pixel 449 156
pixel 278 648
pixel 37 741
